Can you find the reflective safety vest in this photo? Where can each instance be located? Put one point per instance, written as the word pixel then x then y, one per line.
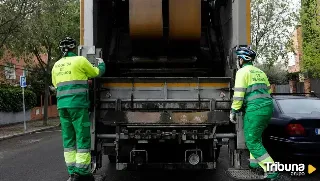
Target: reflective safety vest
pixel 252 89
pixel 70 77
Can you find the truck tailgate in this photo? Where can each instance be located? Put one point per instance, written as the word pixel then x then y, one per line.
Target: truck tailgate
pixel 166 100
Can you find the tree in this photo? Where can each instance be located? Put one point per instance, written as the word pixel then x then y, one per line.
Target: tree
pixel 276 74
pixel 270 23
pixel 311 37
pixel 52 21
pixel 13 16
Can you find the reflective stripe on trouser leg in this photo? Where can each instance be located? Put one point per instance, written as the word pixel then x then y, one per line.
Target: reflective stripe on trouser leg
pixel 83 162
pixel 69 139
pixel 70 157
pixel 82 127
pixel 253 162
pixel 254 124
pixel 263 160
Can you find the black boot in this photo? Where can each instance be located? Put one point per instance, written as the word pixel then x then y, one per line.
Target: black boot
pixel 70 178
pixel 75 177
pixel 87 178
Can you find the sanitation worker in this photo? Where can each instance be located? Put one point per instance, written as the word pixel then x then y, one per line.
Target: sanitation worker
pixel 252 96
pixel 70 77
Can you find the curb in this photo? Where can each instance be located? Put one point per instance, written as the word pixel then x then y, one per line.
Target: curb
pixel 28 132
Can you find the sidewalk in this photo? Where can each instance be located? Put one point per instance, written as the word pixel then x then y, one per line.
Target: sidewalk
pixel 32 126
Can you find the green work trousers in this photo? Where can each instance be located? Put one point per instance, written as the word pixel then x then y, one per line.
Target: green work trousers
pixel 255 122
pixel 76 136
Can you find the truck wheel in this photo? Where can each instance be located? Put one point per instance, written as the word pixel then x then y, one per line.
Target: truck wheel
pixel 112 158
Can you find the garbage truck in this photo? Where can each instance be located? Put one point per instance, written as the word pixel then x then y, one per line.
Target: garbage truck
pixel 165 98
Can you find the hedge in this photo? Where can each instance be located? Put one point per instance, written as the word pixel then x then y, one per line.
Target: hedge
pixel 11 99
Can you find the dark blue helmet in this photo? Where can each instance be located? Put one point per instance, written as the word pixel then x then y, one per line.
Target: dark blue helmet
pixel 246 54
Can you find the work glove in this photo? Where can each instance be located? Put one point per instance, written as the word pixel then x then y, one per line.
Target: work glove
pixel 100 60
pixel 233 117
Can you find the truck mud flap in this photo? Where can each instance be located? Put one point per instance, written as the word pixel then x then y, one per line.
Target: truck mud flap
pixel 243 174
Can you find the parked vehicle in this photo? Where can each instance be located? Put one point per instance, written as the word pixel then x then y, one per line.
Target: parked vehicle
pixel 294 131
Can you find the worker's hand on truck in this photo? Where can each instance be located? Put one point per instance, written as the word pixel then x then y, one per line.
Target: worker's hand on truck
pixel 100 60
pixel 233 117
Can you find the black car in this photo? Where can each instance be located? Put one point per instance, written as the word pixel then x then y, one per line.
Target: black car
pixel 293 133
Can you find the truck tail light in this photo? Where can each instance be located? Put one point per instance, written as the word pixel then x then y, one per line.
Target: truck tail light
pixel 295 130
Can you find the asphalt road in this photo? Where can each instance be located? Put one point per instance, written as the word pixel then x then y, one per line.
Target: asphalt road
pixel 39 157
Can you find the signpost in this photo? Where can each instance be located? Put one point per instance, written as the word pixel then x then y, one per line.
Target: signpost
pixel 23 84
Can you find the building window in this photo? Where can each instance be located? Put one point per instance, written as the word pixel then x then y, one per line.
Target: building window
pixel 10 72
pixel 292 59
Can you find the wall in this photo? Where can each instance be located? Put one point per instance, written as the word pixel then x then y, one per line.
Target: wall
pixel 10 118
pixel 37 112
pixel 297 45
pixel 33 114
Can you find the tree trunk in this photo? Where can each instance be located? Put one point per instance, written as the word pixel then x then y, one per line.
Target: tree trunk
pixel 307 86
pixel 273 88
pixel 293 86
pixel 46 97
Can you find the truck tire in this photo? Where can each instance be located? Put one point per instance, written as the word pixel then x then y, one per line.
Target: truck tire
pixel 112 158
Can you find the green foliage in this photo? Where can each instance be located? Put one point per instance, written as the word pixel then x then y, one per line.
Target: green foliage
pixel 51 21
pixel 311 37
pixel 13 15
pixel 276 74
pixel 270 21
pixel 11 99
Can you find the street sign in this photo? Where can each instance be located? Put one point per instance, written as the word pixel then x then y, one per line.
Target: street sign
pixel 23 84
pixel 23 81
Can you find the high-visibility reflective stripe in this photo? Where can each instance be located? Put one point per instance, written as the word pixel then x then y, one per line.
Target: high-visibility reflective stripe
pixel 253 88
pixel 70 157
pixel 83 166
pixel 83 158
pixel 72 82
pixel 69 149
pixel 83 150
pixel 258 96
pixel 240 89
pixel 263 157
pixel 257 87
pixel 238 98
pixel 71 164
pixel 253 161
pixel 71 91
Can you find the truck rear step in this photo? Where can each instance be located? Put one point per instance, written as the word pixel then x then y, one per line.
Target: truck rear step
pixel 243 174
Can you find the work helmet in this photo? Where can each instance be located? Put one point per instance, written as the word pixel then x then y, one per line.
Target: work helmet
pixel 246 54
pixel 67 44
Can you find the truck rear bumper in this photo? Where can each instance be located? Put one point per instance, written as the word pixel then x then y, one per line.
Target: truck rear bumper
pixel 167 166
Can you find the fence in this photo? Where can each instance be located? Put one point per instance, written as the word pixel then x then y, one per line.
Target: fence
pixel 314 83
pixel 286 88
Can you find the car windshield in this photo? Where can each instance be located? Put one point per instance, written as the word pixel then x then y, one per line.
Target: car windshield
pixel 299 106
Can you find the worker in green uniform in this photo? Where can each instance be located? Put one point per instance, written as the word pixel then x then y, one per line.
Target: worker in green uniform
pixel 252 96
pixel 70 77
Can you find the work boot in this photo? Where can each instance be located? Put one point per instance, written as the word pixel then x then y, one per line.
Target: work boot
pixel 256 169
pixel 271 176
pixel 87 178
pixel 69 179
pixel 75 177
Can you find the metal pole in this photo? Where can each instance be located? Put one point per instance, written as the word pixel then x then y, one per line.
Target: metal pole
pixel 24 111
pixel 24 107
